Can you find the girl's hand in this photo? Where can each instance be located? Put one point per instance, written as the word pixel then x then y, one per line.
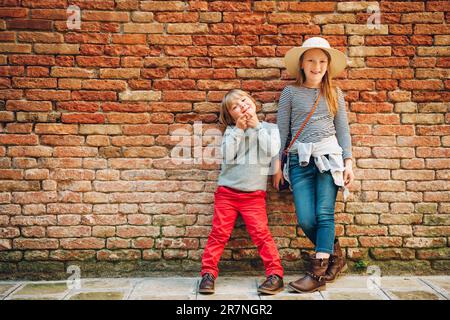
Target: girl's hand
pixel 241 122
pixel 349 176
pixel 278 175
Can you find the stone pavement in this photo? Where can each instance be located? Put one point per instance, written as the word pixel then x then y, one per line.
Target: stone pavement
pixel 347 287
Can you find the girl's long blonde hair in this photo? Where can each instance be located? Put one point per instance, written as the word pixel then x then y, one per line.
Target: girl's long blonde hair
pixel 327 87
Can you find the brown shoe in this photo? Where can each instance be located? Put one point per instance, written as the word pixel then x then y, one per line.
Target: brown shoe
pixel 314 279
pixel 337 263
pixel 272 285
pixel 207 284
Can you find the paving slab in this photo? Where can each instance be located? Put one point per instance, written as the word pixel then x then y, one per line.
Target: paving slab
pixel 40 291
pixel 7 288
pixel 351 282
pixel 107 284
pixel 233 288
pixel 46 288
pixel 173 288
pixel 439 284
pixel 101 289
pixel 33 298
pixel 414 295
pixel 288 295
pixel 410 283
pixel 98 296
pixel 353 295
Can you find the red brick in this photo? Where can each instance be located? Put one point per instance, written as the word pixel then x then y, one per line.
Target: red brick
pixel 37 94
pixel 392 6
pixel 66 232
pixel 13 12
pixel 128 118
pixel 43 25
pixel 82 243
pixel 19 105
pixel 221 28
pixel 98 61
pixel 11 71
pixel 71 37
pixel 177 17
pixel 387 62
pixel 225 6
pixel 174 84
pixel 105 16
pixel 137 231
pixel 35 244
pixel 19 127
pixel 41 37
pixel 184 95
pixel 312 6
pixel 380 242
pixel 129 38
pixel 34 82
pixel 297 29
pixel 365 107
pixel 380 152
pixel 94 95
pixel 378 118
pixel 12 139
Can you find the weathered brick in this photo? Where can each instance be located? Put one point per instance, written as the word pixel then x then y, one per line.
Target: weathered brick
pixel 419 242
pixel 82 243
pixel 392 254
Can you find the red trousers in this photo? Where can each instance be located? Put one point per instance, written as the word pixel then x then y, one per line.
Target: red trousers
pixel 228 203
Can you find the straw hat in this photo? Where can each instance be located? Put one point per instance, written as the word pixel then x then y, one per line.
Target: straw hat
pixel 292 57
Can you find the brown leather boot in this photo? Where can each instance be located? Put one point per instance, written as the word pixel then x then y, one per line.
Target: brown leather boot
pixel 314 279
pixel 207 284
pixel 337 263
pixel 272 285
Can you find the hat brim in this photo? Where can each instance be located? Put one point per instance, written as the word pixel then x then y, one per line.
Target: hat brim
pixel 292 57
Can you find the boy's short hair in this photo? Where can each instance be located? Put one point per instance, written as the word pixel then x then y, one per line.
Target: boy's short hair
pixel 225 116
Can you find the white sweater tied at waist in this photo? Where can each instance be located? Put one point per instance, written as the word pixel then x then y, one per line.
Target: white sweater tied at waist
pixel 318 150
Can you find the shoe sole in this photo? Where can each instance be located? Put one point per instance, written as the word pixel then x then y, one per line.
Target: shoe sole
pixel 206 291
pixel 321 288
pixel 344 268
pixel 271 292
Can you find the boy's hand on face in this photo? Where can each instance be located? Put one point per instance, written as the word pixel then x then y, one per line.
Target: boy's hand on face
pixel 252 120
pixel 241 122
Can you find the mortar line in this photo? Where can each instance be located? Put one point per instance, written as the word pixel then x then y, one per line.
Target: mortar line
pixel 256 288
pixel 380 288
pixel 323 297
pixel 130 292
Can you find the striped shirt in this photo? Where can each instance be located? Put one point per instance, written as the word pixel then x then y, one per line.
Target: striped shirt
pixel 294 106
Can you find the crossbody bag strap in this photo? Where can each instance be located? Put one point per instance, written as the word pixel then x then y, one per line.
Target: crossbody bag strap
pixel 303 125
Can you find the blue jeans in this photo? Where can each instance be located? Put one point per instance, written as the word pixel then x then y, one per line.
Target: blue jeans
pixel 314 199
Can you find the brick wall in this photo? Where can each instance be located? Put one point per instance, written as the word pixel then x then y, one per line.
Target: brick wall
pixel 86 118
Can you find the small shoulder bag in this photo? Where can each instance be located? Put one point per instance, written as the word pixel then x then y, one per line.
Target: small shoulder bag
pixel 288 146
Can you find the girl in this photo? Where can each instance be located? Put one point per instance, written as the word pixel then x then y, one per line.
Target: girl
pixel 326 139
pixel 248 147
